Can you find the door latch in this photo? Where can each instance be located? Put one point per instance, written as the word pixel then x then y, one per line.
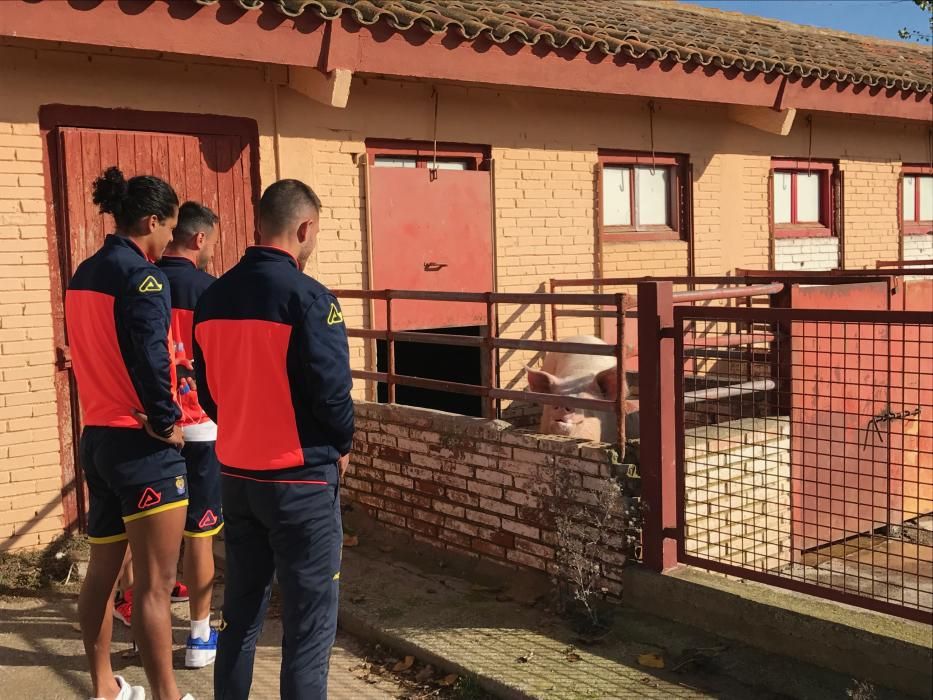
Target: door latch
pixel 886 416
pixel 434 266
pixel 63 356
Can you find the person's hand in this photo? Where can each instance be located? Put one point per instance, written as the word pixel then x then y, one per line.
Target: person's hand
pixel 343 463
pixel 176 439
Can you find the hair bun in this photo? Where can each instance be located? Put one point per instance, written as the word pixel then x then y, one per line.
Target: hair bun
pixel 110 191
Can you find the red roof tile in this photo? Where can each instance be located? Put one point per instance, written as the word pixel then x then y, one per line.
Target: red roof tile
pixel 658 30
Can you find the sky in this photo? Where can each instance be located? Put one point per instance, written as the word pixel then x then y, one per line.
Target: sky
pixel 881 18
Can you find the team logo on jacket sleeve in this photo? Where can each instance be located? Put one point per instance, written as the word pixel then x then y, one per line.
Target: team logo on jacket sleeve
pixel 150 284
pixel 335 316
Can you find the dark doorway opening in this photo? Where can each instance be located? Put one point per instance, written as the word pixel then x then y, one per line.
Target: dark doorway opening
pixel 451 363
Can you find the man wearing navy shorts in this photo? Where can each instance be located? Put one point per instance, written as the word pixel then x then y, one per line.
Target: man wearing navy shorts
pixel 184 262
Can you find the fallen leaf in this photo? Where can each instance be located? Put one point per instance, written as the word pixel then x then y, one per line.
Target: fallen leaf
pixel 350 540
pixel 526 658
pixel 448 681
pixel 404 664
pixel 651 660
pixel 573 657
pixel 76 626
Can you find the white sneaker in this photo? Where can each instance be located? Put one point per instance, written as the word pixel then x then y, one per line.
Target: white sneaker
pixel 127 691
pixel 187 696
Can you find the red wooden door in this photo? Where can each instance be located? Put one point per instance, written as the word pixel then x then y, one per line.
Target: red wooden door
pixel 213 169
pixel 208 168
pixel 431 234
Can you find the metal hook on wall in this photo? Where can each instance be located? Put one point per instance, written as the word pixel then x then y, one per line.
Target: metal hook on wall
pixel 651 132
pixel 433 169
pixel 810 146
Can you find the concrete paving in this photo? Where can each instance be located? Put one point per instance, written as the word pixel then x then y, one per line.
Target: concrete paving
pixel 516 648
pixel 41 656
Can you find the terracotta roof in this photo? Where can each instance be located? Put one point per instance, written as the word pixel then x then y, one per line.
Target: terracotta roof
pixel 658 30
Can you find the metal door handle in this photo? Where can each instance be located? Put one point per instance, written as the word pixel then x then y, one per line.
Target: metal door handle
pixel 433 266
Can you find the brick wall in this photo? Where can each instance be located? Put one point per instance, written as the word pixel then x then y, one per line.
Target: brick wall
pixel 30 471
pixel 806 253
pixel 870 211
pixel 737 499
pixel 918 247
pixel 472 487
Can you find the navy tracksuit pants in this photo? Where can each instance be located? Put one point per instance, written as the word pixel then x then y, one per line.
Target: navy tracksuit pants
pixel 290 527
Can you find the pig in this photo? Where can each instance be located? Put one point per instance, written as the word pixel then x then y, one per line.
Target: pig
pixel 582 376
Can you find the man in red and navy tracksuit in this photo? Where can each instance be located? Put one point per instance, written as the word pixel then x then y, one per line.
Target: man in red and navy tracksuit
pixel 194 240
pixel 273 371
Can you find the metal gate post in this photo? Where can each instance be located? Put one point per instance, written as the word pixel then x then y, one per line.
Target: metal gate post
pixel 656 409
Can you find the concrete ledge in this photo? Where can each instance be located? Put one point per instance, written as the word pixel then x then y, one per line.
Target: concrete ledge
pixel 884 650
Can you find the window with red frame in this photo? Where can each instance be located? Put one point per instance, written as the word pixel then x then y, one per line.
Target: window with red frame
pixel 417 154
pixel 643 197
pixel 917 199
pixel 801 198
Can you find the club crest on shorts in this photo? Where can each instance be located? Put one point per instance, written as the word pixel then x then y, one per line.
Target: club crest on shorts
pixel 180 485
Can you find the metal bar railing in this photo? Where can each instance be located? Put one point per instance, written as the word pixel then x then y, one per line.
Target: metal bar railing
pixel 490 344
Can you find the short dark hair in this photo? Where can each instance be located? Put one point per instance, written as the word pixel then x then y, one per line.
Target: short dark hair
pixel 130 200
pixel 281 204
pixel 192 217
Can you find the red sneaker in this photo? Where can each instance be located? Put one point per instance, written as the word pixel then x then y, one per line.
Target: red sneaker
pixel 123 607
pixel 180 593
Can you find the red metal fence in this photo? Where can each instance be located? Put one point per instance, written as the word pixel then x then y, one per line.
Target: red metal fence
pixel 823 481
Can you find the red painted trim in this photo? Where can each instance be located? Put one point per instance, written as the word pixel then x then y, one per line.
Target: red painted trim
pixel 803 231
pixel 915 227
pixel 223 30
pixel 609 157
pixel 807 229
pixel 273 481
pixel 801 164
pixel 423 151
pixel 677 164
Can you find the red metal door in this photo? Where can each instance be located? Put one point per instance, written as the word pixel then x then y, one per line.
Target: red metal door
pixel 214 169
pixel 843 481
pixel 431 231
pixel 911 434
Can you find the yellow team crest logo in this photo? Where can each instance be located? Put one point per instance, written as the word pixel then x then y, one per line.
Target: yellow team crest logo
pixel 180 484
pixel 335 316
pixel 150 284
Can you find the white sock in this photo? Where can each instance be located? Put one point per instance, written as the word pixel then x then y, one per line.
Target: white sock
pixel 201 629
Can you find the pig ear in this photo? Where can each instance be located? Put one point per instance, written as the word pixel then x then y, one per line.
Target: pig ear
pixel 540 382
pixel 608 383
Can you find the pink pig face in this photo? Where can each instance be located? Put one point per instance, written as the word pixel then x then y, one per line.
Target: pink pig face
pixel 575 422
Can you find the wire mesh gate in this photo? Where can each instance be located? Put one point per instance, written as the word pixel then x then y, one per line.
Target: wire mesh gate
pixel 821 481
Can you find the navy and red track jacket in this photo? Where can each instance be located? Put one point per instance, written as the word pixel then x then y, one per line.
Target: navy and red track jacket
pixel 187 284
pixel 117 314
pixel 272 366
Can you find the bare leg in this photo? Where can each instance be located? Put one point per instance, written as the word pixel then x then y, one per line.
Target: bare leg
pixel 125 582
pixel 155 541
pixel 95 615
pixel 199 575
